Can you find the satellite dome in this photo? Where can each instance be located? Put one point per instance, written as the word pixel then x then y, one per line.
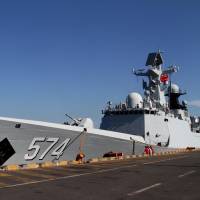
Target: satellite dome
pixel 134 100
pixel 175 88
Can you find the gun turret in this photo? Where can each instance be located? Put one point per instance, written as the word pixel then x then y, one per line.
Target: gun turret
pixel 76 122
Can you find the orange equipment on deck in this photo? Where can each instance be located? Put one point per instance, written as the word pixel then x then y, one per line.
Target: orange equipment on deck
pixel 80 156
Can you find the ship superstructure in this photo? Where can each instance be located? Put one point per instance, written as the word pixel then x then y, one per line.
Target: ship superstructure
pixel 158 116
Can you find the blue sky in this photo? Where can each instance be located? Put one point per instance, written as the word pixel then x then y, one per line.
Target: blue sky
pixel 74 56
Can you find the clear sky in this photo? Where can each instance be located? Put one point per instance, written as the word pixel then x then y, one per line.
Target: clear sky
pixel 72 56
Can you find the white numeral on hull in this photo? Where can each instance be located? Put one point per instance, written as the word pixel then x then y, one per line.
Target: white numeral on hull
pixel 36 148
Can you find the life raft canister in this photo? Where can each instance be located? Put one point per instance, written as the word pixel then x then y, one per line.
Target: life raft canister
pixel 148 150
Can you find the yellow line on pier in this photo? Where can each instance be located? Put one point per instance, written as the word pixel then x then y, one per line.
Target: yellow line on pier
pixel 4 174
pixel 34 174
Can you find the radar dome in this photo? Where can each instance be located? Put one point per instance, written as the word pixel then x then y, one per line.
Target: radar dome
pixel 175 88
pixel 134 100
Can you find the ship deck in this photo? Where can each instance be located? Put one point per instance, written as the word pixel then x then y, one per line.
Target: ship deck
pixel 162 177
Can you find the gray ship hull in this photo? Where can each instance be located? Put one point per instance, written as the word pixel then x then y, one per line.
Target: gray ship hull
pixel 32 135
pixel 38 141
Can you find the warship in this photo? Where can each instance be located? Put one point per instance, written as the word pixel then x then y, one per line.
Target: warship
pixel 157 118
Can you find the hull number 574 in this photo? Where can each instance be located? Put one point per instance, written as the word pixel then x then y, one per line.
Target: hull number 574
pixel 47 144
